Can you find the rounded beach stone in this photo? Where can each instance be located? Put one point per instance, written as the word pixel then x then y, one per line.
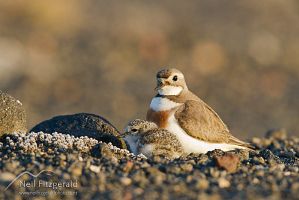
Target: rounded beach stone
pixel 82 124
pixel 12 115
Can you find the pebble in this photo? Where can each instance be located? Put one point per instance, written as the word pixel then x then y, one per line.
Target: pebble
pixel 7 176
pixel 186 167
pixel 259 160
pixel 76 171
pixel 125 181
pixel 223 183
pixel 255 180
pixel 128 166
pixel 95 169
pixel 228 161
pixel 256 140
pixel 202 184
pixel 214 172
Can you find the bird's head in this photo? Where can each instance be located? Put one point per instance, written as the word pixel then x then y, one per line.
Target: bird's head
pixel 170 82
pixel 139 126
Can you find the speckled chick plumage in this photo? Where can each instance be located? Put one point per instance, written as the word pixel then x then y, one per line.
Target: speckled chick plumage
pixel 145 137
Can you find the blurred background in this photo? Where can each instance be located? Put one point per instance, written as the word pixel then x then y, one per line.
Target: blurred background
pixel 241 57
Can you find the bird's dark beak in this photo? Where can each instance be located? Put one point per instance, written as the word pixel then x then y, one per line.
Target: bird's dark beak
pixel 160 84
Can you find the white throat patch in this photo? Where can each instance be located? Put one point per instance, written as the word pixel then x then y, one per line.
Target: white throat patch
pixel 132 140
pixel 170 90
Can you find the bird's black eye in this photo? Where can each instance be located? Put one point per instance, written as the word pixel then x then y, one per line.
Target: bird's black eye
pixel 134 130
pixel 175 78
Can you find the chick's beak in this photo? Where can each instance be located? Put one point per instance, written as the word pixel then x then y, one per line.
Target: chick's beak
pixel 125 133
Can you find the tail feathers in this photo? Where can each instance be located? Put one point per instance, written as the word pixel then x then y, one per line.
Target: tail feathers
pixel 238 142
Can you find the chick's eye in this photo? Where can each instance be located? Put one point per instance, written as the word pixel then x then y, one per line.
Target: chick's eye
pixel 134 130
pixel 175 78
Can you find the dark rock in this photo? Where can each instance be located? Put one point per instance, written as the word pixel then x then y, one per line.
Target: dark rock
pixel 12 115
pixel 268 155
pixel 287 157
pixel 82 124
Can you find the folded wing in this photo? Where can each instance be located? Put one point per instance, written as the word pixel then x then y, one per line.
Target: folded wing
pixel 202 122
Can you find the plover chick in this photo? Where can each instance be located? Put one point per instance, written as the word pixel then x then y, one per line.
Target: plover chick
pixel 145 137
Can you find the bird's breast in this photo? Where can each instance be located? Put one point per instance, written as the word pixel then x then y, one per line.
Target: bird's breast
pixel 159 117
pixel 160 110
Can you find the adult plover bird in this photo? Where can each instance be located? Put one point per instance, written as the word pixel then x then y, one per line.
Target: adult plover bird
pixel 197 126
pixel 145 137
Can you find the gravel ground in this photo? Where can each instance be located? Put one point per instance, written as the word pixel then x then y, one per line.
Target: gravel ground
pixel 101 171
